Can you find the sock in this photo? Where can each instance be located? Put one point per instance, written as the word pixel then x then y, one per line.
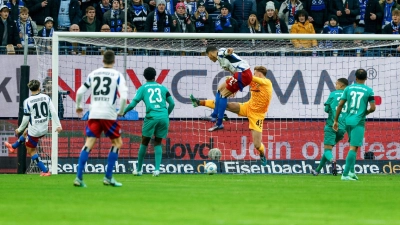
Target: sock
pixel 352 169
pixel 112 158
pixel 20 140
pixel 39 163
pixel 141 154
pixel 208 103
pixel 82 161
pixel 350 161
pixel 214 114
pixel 328 155
pixel 223 102
pixel 158 153
pixel 322 163
pixel 261 149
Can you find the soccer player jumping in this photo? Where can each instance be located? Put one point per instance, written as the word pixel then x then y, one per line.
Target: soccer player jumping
pixel 242 77
pixel 357 97
pixel 332 137
pixel 104 84
pixel 254 109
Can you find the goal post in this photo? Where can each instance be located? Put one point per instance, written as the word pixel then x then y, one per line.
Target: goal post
pixel 291 103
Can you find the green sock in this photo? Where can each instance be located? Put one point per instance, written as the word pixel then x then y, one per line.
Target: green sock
pixel 328 155
pixel 350 161
pixel 158 153
pixel 322 163
pixel 141 154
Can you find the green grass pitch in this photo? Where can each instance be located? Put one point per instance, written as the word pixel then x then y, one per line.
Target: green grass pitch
pixel 200 199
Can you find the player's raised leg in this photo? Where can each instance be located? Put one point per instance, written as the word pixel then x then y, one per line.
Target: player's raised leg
pixel 15 145
pixel 31 150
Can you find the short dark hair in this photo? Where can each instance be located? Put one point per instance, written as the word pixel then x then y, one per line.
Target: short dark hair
pixel 90 8
pixel 301 12
pixel 211 49
pixel 109 57
pixel 149 73
pixel 261 69
pixel 361 74
pixel 343 81
pixel 34 85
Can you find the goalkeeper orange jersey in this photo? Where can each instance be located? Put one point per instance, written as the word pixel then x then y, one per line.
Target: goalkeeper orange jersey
pixel 261 95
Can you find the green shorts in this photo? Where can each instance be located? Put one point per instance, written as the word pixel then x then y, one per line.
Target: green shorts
pixel 331 137
pixel 156 127
pixel 356 134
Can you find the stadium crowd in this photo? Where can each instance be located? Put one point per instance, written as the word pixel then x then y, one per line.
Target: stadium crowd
pixel 43 17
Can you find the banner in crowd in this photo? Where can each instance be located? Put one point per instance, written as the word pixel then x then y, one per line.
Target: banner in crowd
pixel 233 167
pixel 301 84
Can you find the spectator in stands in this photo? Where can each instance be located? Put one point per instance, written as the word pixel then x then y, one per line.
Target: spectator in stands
pixel 75 47
pixel 181 20
pixel 214 8
pixel 151 3
pixel 388 6
pixel 252 26
pixel 89 22
pixel 288 11
pixel 241 10
pixel 303 26
pixel 66 12
pixel 48 29
pixel 202 21
pixel 332 28
pixel 318 13
pixel 129 27
pixel 8 29
pixel 86 3
pixel 191 6
pixel 346 13
pixel 170 6
pixel 261 5
pixel 159 20
pixel 272 23
pixel 26 26
pixel 102 8
pixel 15 6
pixel 370 17
pixel 393 27
pixel 138 12
pixel 114 17
pixel 105 28
pixel 224 22
pixel 39 10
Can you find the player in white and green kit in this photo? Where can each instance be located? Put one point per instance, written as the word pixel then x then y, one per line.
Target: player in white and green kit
pixel 357 97
pixel 332 137
pixel 156 122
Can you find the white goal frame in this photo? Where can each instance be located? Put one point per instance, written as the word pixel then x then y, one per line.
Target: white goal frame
pixel 63 36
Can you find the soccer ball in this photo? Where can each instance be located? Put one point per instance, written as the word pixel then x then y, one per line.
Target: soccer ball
pixel 210 168
pixel 214 154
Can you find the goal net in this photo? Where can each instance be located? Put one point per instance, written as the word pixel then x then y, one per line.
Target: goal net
pixel 302 68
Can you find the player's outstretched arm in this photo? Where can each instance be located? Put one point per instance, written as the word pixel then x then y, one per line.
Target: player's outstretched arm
pixel 372 108
pixel 130 106
pixel 54 116
pixel 24 123
pixel 338 110
pixel 229 51
pixel 123 95
pixel 79 96
pixel 171 104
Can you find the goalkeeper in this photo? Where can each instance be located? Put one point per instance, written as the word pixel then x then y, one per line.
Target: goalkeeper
pixel 254 109
pixel 155 96
pixel 330 136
